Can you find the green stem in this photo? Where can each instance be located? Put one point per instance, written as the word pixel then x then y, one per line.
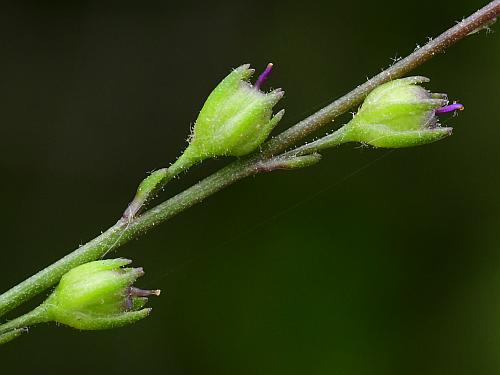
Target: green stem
pixel 338 137
pixel 124 231
pixel 291 136
pixel 132 227
pixel 156 181
pixel 35 316
pixel 11 335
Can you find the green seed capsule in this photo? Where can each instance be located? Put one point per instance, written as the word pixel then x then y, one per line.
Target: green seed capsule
pixel 98 295
pixel 400 114
pixel 236 118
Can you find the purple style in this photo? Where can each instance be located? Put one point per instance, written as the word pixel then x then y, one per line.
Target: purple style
pixel 450 108
pixel 263 76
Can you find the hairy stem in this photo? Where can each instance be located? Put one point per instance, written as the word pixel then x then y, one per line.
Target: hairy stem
pixel 35 316
pixel 340 106
pixel 336 138
pixel 11 335
pixel 131 227
pixel 122 232
pixel 152 184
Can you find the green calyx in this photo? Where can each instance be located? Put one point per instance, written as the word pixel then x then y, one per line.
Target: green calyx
pixel 398 114
pixel 236 118
pixel 98 295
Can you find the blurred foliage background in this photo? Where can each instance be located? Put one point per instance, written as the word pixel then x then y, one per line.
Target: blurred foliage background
pixel 372 262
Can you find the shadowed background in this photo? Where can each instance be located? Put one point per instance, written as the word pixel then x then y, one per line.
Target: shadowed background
pixel 372 262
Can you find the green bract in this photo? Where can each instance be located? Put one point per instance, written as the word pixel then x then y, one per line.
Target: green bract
pixel 398 114
pixel 236 118
pixel 98 295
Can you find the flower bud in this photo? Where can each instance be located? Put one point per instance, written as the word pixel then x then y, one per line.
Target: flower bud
pixel 236 118
pixel 400 114
pixel 98 295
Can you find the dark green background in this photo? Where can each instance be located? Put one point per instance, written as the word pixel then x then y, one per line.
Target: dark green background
pixel 372 262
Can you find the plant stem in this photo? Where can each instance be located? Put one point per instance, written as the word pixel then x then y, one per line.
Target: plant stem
pixel 334 139
pixel 328 114
pixel 127 229
pixel 340 106
pixel 35 316
pixel 152 184
pixel 122 232
pixel 11 335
